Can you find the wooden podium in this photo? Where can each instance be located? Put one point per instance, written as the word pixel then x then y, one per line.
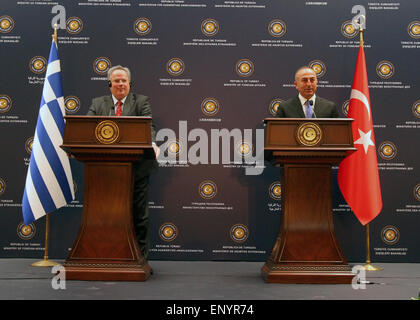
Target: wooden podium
pixel 306 249
pixel 106 248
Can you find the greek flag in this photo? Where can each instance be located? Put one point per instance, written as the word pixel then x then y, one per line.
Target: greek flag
pixel 49 182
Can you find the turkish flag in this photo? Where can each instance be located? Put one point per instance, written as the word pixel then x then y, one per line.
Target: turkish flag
pixel 358 175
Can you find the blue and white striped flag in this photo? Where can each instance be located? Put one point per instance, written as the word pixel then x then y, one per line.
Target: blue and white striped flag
pixel 49 182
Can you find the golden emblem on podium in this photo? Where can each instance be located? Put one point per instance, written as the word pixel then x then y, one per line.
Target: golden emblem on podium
pixel 309 134
pixel 107 132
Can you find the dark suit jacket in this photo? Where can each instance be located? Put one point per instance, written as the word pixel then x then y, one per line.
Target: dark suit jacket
pixel 134 105
pixel 292 108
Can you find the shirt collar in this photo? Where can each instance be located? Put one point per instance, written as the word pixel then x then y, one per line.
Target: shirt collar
pixel 116 100
pixel 303 100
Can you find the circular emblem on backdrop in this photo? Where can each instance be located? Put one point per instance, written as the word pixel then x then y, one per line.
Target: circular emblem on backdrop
pixel 274 106
pixel 6 24
pixel 416 192
pixel 210 27
pixel 38 64
pixel 275 190
pixel 175 67
pixel 416 108
pixel 142 26
pixel 210 106
pixel 309 134
pixel 2 186
pixel 413 29
pixel 101 65
pixel 244 149
pixel 173 147
pixel 319 67
pixel 244 68
pixel 28 144
pixel 168 231
pixel 207 189
pixel 239 233
pixel 348 29
pixel 390 235
pixel 72 104
pixel 387 150
pixel 385 69
pixel 26 232
pixel 74 25
pixel 277 28
pixel 5 103
pixel 107 132
pixel 345 107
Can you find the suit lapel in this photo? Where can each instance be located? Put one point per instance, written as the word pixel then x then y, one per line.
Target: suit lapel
pixel 108 106
pixel 317 108
pixel 298 107
pixel 128 106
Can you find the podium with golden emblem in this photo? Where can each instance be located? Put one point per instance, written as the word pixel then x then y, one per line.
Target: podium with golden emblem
pixel 306 249
pixel 106 248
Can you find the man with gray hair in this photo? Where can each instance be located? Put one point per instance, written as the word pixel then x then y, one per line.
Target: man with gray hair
pixel 122 102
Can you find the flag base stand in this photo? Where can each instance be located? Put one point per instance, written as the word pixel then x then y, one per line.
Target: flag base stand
pixel 371 267
pixel 368 266
pixel 46 262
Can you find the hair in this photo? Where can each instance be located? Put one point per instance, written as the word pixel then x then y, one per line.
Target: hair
pixel 111 70
pixel 301 68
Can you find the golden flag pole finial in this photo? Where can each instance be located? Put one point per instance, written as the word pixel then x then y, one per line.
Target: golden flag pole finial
pixel 360 24
pixel 55 33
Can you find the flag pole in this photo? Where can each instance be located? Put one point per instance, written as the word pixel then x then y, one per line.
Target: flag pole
pixel 368 266
pixel 46 262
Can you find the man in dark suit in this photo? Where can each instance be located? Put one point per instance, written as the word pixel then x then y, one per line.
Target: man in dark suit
pixel 306 104
pixel 122 102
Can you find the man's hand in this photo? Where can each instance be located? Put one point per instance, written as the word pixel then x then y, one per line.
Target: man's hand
pixel 157 150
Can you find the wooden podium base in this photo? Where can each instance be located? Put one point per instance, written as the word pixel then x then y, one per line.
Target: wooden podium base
pixel 310 274
pixel 306 249
pixel 106 248
pixel 107 272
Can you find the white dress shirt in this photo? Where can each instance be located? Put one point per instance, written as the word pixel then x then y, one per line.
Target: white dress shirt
pixel 116 101
pixel 303 103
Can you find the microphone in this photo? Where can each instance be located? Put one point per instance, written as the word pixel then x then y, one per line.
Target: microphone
pixel 112 110
pixel 311 103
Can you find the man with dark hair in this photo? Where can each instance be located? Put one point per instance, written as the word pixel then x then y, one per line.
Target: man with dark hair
pixel 307 104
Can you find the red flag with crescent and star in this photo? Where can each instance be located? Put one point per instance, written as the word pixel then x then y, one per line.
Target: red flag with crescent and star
pixel 358 175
